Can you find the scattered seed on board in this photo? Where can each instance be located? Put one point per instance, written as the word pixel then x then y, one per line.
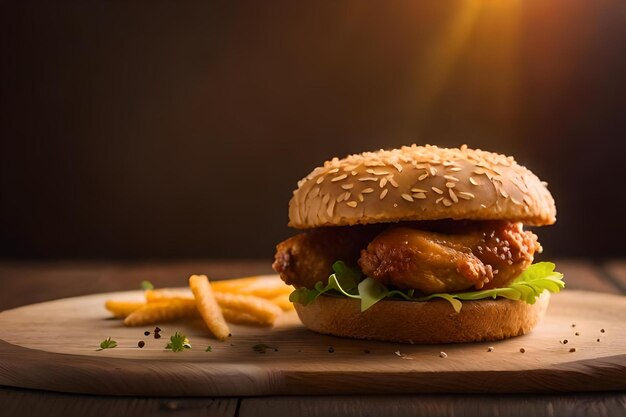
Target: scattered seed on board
pixel 443 355
pixel 490 349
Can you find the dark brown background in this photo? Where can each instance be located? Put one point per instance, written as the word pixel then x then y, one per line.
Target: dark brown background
pixel 178 129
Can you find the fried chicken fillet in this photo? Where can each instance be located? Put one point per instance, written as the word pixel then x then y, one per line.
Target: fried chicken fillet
pixel 429 257
pixel 490 256
pixel 306 258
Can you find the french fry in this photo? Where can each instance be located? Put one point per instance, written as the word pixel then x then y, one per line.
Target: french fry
pixel 161 311
pixel 208 307
pixel 167 294
pixel 263 309
pixel 121 309
pixel 265 287
pixel 239 317
pixel 283 302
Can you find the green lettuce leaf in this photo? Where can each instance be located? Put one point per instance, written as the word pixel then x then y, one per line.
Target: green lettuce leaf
pixel 349 282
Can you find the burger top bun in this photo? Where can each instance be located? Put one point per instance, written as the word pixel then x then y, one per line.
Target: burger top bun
pixel 420 183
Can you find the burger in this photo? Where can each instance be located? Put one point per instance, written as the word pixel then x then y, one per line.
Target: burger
pixel 419 245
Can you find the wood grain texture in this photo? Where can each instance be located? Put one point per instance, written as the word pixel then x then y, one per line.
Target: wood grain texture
pixel 581 275
pixel 437 405
pixel 32 282
pixel 26 403
pixel 52 346
pixel 617 271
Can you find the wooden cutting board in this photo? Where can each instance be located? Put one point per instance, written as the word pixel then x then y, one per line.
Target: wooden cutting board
pixel 52 346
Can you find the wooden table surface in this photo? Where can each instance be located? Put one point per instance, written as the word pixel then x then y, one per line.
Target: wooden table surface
pixel 26 282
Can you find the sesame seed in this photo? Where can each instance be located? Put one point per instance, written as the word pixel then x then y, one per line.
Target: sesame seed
pixel 422 177
pixel 361 198
pixel 384 193
pixel 326 198
pixel 473 181
pixel 439 200
pixel 451 184
pixel 332 171
pixel 463 147
pixel 331 208
pixel 397 166
pixel 452 195
pixel 451 178
pixel 437 190
pixel 490 349
pixel 339 178
pixel 443 355
pixel 447 202
pixel 393 182
pixel 456 169
pixel 419 196
pixel 433 171
pixel 522 350
pixel 483 206
pixel 383 182
pixel 504 193
pixel 352 204
pixel 368 179
pixel 341 198
pixel 347 186
pixel 407 197
pixel 418 190
pixel 347 195
pixel 320 180
pixel 479 171
pixel 516 201
pixel 377 172
pixel 367 190
pixel 465 195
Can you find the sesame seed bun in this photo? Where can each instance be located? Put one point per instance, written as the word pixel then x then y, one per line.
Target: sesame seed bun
pixel 420 183
pixel 423 322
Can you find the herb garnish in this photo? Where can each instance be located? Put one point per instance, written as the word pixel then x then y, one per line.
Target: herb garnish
pixel 146 285
pixel 178 343
pixel 208 349
pixel 260 348
pixel 107 344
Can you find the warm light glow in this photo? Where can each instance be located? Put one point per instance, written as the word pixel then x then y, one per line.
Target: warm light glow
pixel 486 33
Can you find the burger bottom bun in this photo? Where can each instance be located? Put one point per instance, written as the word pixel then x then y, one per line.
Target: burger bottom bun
pixel 427 322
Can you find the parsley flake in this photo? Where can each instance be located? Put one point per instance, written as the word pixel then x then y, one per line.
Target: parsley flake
pixel 146 285
pixel 260 347
pixel 208 349
pixel 178 343
pixel 107 344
